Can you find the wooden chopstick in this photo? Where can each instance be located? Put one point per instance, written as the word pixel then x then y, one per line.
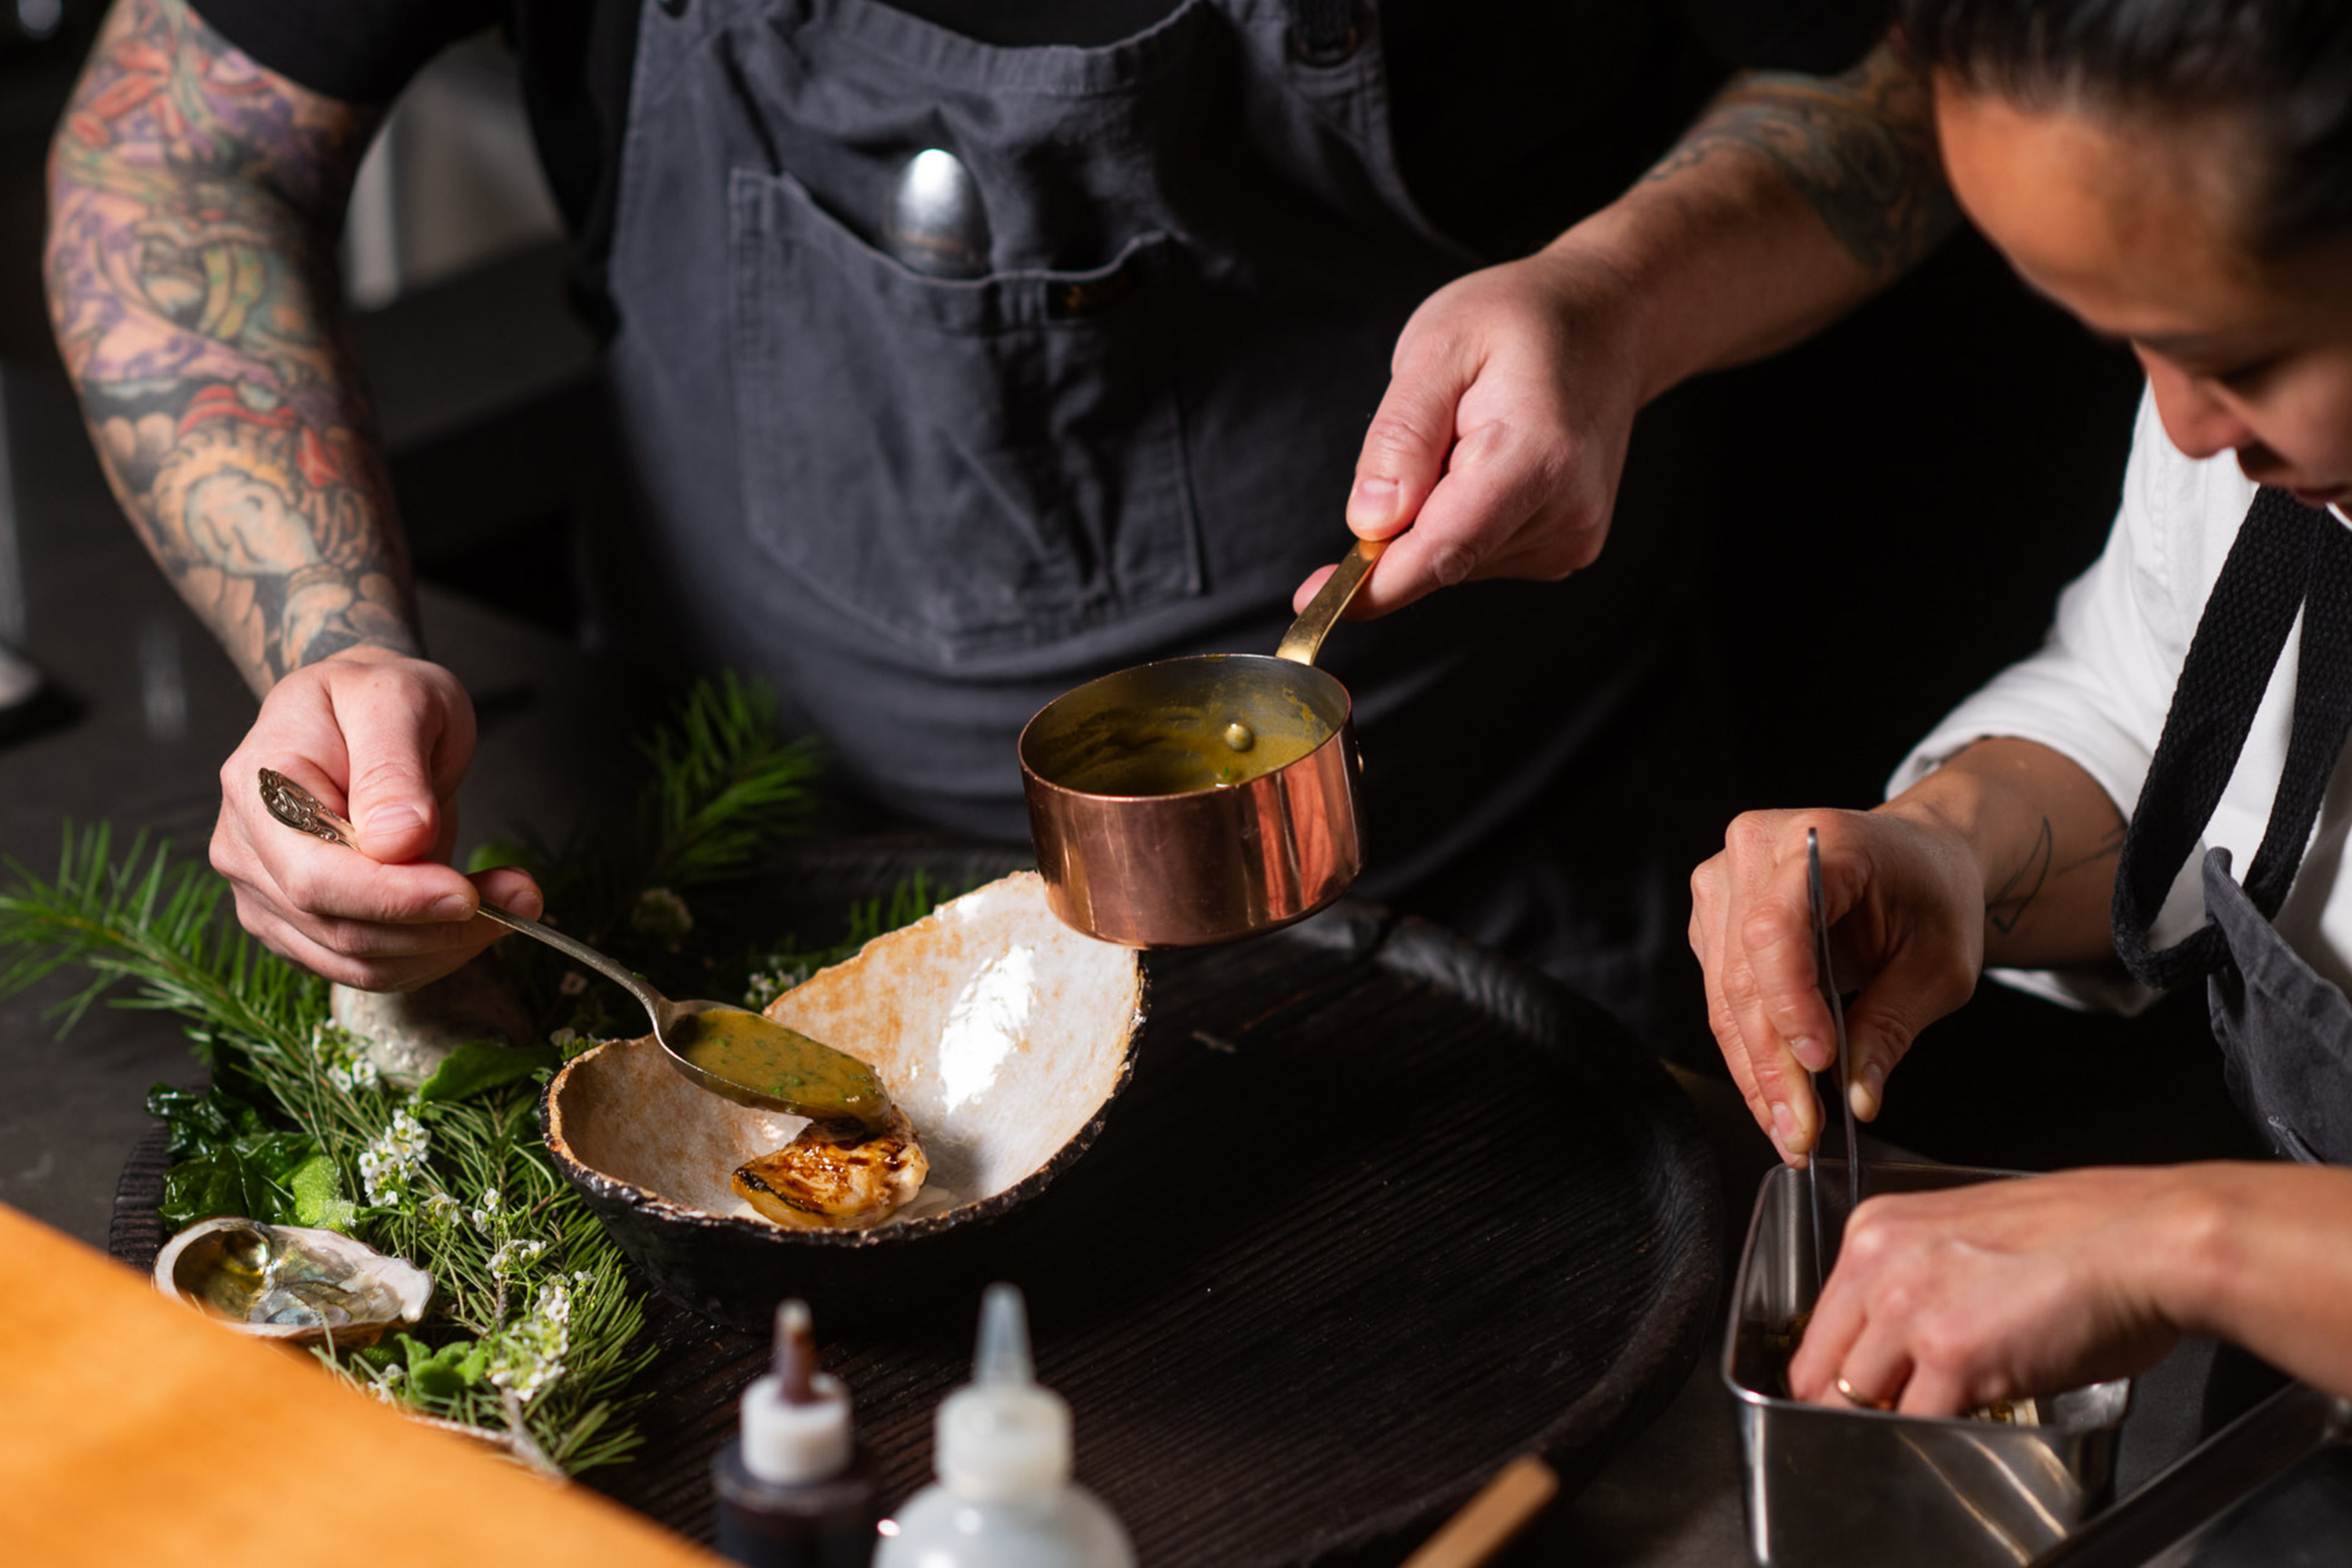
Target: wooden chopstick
pixel 1485 1524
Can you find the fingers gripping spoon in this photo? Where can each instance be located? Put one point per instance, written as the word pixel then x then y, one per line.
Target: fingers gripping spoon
pixel 1841 1070
pixel 730 1052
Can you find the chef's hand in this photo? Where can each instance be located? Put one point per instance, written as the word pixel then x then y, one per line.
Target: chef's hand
pixel 1905 904
pixel 384 739
pixel 1503 433
pixel 1947 1301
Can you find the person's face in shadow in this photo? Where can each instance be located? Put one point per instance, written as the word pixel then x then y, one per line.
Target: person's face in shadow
pixel 2144 225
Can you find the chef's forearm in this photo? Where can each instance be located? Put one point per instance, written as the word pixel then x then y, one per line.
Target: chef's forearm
pixel 1790 199
pixel 2045 838
pixel 2260 1255
pixel 193 198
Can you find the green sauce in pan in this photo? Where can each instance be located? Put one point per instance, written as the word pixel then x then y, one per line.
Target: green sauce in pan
pixel 1178 750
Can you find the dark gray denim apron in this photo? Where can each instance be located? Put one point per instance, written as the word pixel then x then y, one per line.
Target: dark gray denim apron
pixel 924 507
pixel 2285 1032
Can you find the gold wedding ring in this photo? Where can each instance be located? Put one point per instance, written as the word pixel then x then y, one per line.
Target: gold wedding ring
pixel 1845 1392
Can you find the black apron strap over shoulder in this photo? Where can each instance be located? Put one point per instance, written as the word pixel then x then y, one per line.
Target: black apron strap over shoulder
pixel 2287 557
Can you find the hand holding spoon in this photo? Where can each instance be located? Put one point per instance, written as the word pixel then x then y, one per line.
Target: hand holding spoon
pixel 730 1052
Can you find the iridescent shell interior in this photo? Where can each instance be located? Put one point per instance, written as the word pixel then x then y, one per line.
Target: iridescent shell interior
pixel 1000 1033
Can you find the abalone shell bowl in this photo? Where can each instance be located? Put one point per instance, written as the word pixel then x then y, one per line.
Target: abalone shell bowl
pixel 1005 1037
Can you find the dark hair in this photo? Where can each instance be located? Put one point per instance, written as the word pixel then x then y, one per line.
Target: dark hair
pixel 2284 64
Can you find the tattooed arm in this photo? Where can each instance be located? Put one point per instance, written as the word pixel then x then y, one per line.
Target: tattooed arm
pixel 194 201
pixel 1514 389
pixel 2045 839
pixel 2005 854
pixel 1790 200
pixel 195 198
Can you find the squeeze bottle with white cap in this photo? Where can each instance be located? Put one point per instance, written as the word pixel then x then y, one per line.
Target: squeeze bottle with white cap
pixel 795 1490
pixel 1005 1498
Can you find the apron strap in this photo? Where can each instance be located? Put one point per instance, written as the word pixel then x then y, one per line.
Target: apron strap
pixel 2286 557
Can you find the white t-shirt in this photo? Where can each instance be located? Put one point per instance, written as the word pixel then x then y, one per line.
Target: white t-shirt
pixel 2100 687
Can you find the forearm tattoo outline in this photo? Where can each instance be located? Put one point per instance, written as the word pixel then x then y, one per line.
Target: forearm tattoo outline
pixel 1860 148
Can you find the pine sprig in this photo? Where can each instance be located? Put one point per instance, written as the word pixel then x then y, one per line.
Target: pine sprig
pixel 726 786
pixel 157 926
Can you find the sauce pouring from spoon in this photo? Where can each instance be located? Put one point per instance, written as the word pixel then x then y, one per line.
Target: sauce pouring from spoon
pixel 732 1051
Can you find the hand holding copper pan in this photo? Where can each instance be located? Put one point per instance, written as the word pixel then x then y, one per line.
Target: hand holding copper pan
pixel 1197 800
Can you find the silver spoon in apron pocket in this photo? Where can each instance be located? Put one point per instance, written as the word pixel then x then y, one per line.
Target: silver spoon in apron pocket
pixel 732 1051
pixel 935 223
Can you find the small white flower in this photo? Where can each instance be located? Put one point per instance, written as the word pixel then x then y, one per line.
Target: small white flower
pixel 561 1039
pixel 396 1154
pixel 441 1211
pixel 511 1257
pixel 528 1356
pixel 408 1137
pixel 485 1212
pixel 345 1057
pixel 572 983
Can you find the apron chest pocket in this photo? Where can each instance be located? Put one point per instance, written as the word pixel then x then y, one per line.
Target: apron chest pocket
pixel 966 467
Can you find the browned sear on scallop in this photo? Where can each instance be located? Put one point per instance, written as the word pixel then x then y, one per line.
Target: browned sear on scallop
pixel 836 1175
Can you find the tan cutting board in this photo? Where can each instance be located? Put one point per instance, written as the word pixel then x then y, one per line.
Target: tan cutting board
pixel 133 1432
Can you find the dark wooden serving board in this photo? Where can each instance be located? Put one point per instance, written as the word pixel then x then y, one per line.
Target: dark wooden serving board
pixel 1379 1210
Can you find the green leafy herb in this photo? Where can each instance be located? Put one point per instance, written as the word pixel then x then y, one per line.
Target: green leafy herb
pixel 252 1176
pixel 200 1120
pixel 446 1375
pixel 318 1188
pixel 477 1067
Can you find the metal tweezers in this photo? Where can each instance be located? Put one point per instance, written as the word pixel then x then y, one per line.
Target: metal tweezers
pixel 1826 1238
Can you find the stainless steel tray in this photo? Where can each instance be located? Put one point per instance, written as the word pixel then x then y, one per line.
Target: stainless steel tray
pixel 1845 1488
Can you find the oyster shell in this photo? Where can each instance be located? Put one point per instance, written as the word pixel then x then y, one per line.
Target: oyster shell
pixel 1003 1035
pixel 290 1283
pixel 836 1175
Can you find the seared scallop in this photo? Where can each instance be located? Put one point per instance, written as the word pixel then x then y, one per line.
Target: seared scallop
pixel 836 1175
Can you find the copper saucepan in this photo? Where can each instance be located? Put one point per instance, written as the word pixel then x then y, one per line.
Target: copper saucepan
pixel 1197 800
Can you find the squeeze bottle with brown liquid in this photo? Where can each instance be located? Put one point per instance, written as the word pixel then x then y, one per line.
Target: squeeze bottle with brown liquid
pixel 794 1490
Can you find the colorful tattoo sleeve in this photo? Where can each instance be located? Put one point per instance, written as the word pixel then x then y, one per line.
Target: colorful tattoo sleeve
pixel 1860 148
pixel 193 198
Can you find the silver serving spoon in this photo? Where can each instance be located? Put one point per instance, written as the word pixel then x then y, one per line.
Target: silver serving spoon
pixel 935 223
pixel 730 1052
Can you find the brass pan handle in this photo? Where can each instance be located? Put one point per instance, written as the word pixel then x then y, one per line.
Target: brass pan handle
pixel 1305 639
